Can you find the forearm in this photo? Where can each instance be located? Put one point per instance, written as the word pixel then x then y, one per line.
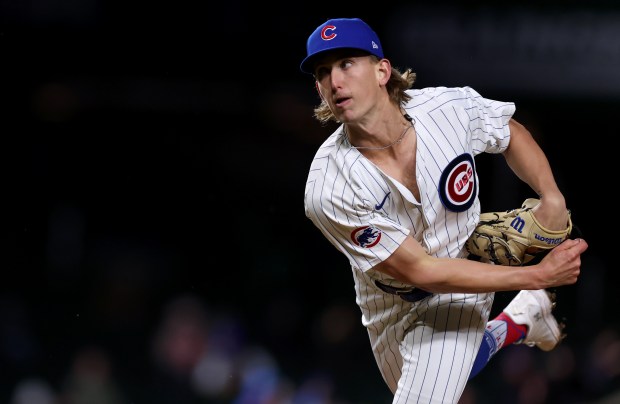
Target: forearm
pixel 409 264
pixel 445 275
pixel 412 265
pixel 528 161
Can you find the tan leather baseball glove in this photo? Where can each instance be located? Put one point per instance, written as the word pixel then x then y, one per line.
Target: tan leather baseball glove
pixel 514 237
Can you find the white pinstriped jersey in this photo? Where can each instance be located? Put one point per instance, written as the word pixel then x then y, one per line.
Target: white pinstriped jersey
pixel 366 215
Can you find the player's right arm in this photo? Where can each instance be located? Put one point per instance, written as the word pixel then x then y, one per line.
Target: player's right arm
pixel 412 265
pixel 528 161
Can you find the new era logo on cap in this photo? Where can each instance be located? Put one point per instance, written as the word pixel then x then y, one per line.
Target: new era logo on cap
pixel 340 33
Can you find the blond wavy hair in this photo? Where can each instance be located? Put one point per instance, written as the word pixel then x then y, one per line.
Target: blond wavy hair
pixel 396 86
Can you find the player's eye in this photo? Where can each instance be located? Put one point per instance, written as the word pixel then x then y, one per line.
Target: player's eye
pixel 346 63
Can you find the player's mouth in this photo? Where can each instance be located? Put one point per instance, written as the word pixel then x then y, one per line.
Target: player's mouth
pixel 340 101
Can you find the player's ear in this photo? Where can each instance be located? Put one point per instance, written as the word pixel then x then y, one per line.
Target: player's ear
pixel 384 71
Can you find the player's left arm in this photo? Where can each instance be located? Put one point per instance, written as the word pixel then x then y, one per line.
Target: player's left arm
pixel 528 161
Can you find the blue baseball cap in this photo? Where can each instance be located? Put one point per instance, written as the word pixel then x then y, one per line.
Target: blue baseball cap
pixel 340 33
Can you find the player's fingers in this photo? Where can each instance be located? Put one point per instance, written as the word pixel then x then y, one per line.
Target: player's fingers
pixel 568 255
pixel 579 245
pixel 565 261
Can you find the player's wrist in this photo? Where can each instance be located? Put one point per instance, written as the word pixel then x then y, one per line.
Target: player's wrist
pixel 553 201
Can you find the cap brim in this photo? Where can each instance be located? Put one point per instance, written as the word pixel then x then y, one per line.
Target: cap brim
pixel 307 65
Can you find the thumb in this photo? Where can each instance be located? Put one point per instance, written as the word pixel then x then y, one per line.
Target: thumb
pixel 579 244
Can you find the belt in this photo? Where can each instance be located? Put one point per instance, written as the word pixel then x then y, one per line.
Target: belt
pixel 407 294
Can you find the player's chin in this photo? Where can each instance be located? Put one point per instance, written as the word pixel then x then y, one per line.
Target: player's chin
pixel 344 115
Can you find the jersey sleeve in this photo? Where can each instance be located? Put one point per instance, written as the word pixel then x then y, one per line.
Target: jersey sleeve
pixel 488 122
pixel 347 219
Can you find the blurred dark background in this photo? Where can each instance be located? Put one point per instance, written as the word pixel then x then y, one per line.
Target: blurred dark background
pixel 154 157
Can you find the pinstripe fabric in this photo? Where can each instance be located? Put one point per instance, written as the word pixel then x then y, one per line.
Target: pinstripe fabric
pixel 424 350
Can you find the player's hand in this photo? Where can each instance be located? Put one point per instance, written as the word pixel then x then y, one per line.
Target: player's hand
pixel 562 265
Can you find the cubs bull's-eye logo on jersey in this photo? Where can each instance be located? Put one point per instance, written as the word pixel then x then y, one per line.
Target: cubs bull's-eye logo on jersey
pixel 366 236
pixel 457 185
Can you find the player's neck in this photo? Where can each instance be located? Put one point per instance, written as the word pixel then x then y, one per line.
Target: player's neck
pixel 386 134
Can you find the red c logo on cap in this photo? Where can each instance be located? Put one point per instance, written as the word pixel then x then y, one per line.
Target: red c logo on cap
pixel 325 36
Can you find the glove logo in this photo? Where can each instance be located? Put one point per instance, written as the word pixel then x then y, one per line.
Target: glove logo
pixel 457 185
pixel 517 224
pixel 366 236
pixel 548 240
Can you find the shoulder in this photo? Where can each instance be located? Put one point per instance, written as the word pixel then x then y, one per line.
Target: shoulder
pixel 330 145
pixel 432 98
pixel 335 158
pixel 444 93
